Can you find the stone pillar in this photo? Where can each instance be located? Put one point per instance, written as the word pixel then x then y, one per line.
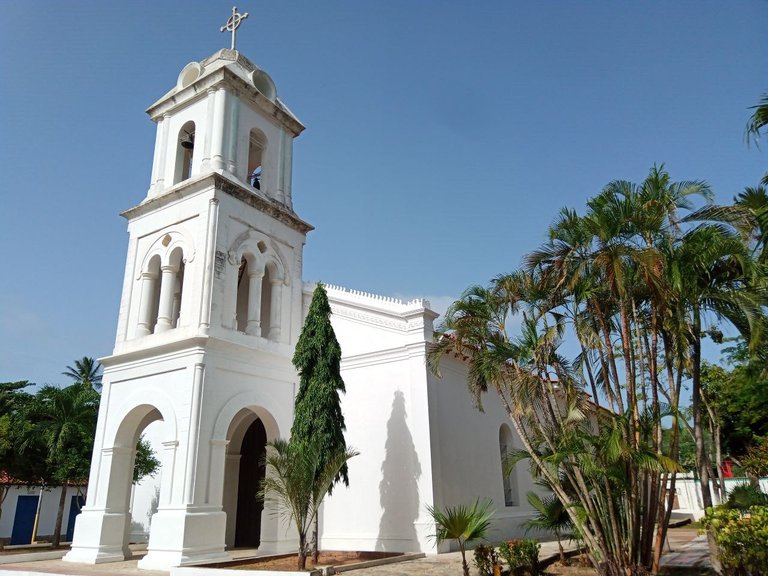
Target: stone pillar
pixel 168 459
pixel 232 132
pixel 216 472
pixel 176 312
pixel 210 261
pixel 254 302
pixel 210 112
pixel 217 136
pixel 193 435
pixel 148 283
pixel 156 158
pixel 162 154
pixel 274 309
pixel 167 290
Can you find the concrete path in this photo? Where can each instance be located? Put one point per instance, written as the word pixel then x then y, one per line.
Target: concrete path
pixel 686 549
pixel 692 554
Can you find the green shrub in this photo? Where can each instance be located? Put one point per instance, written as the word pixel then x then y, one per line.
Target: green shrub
pixel 741 539
pixel 744 496
pixel 485 559
pixel 522 556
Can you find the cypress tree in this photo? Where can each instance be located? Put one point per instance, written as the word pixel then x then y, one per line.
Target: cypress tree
pixel 318 419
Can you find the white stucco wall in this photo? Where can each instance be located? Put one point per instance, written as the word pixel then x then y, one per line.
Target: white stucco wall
pixel 48 509
pixel 467 447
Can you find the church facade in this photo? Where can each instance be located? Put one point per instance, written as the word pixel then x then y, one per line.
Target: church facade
pixel 212 305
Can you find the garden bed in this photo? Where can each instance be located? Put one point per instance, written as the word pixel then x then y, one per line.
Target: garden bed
pixel 338 559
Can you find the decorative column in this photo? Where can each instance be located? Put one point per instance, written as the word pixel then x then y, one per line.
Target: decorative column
pixel 234 119
pixel 176 312
pixel 168 459
pixel 274 309
pixel 217 136
pixel 210 101
pixel 193 434
pixel 162 153
pixel 216 472
pixel 156 158
pixel 167 290
pixel 254 302
pixel 210 259
pixel 287 160
pixel 148 283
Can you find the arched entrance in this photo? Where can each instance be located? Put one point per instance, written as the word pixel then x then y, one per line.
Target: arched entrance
pixel 249 505
pixel 244 471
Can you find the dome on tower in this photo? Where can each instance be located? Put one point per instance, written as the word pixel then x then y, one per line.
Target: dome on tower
pixel 194 75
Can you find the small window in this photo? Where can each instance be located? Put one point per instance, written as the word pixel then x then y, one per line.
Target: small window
pixel 185 148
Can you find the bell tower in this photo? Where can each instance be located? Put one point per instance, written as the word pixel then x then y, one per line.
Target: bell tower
pixel 210 312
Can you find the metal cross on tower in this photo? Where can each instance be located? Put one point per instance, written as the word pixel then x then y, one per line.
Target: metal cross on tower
pixel 233 23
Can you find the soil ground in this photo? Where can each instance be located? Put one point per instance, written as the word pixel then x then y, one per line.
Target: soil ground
pixel 289 561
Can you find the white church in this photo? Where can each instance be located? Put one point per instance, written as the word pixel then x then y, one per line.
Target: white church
pixel 212 306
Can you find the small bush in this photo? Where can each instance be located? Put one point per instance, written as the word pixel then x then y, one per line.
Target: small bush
pixel 744 496
pixel 522 556
pixel 741 539
pixel 485 559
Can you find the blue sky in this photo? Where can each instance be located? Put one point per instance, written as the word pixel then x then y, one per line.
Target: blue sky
pixel 442 136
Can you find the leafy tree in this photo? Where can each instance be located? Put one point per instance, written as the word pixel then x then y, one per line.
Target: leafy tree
pixel 755 462
pixel 147 463
pixel 463 524
pixel 86 371
pixel 17 463
pixel 739 399
pixel 298 478
pixel 318 419
pixel 65 422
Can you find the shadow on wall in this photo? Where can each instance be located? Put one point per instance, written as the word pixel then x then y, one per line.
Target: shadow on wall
pixel 398 489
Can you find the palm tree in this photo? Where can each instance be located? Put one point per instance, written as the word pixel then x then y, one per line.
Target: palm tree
pixel 610 277
pixel 65 422
pixel 551 516
pixel 86 372
pixel 463 524
pixel 297 481
pixel 759 119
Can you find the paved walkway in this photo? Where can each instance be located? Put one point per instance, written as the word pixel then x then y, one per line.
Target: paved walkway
pixel 691 554
pixel 686 549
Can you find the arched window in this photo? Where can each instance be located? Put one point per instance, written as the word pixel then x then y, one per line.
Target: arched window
pixel 150 297
pixel 508 480
pixel 256 145
pixel 185 148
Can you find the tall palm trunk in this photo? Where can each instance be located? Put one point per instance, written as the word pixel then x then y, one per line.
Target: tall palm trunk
pixel 60 515
pixel 315 540
pixel 698 432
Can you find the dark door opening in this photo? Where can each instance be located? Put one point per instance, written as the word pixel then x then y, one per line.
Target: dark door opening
pixel 249 506
pixel 76 504
pixel 24 520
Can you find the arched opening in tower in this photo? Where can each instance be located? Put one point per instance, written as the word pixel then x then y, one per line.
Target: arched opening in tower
pixel 249 505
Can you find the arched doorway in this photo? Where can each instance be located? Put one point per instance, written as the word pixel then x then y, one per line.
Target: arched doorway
pixel 243 473
pixel 249 505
